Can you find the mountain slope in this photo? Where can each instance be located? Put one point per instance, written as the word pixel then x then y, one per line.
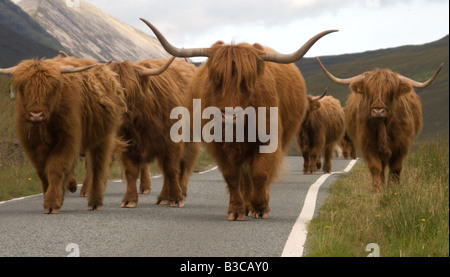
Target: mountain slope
pixel 87 31
pixel 20 22
pixel 18 47
pixel 418 62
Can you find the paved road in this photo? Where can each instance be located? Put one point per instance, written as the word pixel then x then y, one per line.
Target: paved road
pixel 199 229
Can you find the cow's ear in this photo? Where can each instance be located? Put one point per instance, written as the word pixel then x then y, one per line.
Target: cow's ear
pixel 314 105
pixel 218 43
pixel 403 88
pixel 258 46
pixel 357 86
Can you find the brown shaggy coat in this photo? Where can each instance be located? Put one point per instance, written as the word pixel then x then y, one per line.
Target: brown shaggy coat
pixel 236 76
pixel 119 144
pixel 321 130
pixel 383 140
pixel 147 125
pixel 348 148
pixel 81 113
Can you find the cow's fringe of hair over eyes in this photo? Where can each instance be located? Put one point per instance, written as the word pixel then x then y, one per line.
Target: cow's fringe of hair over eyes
pixel 235 65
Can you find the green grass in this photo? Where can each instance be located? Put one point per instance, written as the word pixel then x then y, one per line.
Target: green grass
pixel 18 181
pixel 407 219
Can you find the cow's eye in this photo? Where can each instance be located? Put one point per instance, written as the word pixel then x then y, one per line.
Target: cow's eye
pixel 391 96
pixel 243 88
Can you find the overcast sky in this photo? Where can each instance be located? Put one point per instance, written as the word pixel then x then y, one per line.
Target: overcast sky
pixel 285 25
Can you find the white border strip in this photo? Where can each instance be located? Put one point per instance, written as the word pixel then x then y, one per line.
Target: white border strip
pixel 209 170
pixel 21 198
pixel 296 240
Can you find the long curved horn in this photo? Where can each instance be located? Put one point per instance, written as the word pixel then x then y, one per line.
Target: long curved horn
pixel 419 84
pixel 71 69
pixel 315 98
pixel 156 71
pixel 174 51
pixel 297 55
pixel 337 80
pixel 8 70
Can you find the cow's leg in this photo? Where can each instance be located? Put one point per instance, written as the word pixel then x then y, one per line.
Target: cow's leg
pixel 131 168
pixel 171 192
pixel 87 183
pixel 305 162
pixel 58 172
pixel 187 164
pixel 260 197
pixel 246 188
pixel 145 185
pixel 43 176
pixel 236 207
pixel 72 186
pixel 395 167
pixel 100 165
pixel 53 198
pixel 312 167
pixel 376 168
pixel 383 174
pixel 328 155
pixel 263 169
pixel 318 163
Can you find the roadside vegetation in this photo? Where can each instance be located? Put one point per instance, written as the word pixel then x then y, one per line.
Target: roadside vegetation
pixel 410 219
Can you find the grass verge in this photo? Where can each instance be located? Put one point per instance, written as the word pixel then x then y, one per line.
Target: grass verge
pixel 410 219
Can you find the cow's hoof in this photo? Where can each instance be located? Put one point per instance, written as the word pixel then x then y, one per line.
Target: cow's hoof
pixel 162 202
pixel 264 215
pixel 95 208
pixel 179 204
pixel 51 210
pixel 236 216
pixel 128 204
pixel 172 203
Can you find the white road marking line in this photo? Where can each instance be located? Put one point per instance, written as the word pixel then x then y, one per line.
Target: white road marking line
pixel 21 198
pixel 206 171
pixel 295 243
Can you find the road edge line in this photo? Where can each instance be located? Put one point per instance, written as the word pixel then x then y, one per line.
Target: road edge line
pixel 295 243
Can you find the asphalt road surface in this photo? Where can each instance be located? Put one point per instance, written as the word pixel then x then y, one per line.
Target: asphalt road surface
pixel 200 229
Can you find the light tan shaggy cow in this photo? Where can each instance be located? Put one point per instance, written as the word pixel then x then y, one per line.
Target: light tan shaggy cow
pixel 383 116
pixel 61 112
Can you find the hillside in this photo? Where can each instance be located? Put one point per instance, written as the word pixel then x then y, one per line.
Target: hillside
pixel 418 62
pixel 20 22
pixel 18 47
pixel 87 31
pixel 22 37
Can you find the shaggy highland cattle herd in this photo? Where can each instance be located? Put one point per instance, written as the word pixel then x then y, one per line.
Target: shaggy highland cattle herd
pixel 68 107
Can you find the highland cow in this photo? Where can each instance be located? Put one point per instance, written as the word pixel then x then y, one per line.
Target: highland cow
pixel 147 124
pixel 60 112
pixel 246 75
pixel 321 130
pixel 383 116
